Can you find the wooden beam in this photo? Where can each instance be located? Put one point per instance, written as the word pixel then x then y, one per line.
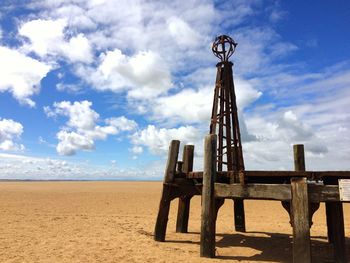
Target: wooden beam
pixel 251 173
pixel 317 193
pixel 164 205
pixel 207 242
pixel 253 191
pixel 301 229
pixel 183 211
pixel 323 193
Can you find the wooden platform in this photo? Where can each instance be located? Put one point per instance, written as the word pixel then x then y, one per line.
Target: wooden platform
pixel 299 191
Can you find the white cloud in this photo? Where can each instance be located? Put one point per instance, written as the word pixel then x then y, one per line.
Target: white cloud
pixel 25 167
pixel 70 142
pixel 136 149
pixel 80 115
pixel 10 130
pixel 122 123
pixel 194 106
pixel 47 37
pixel 81 130
pixel 182 33
pixel 157 139
pixel 144 75
pixel 21 75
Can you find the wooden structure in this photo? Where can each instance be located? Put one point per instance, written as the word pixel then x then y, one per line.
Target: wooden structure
pixel 297 190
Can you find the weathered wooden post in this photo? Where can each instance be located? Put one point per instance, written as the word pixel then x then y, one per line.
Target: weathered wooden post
pixel 207 246
pixel 300 211
pixel 336 230
pixel 164 206
pixel 335 225
pixel 183 211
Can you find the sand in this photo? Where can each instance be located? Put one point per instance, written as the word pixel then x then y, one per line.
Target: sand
pixel 114 222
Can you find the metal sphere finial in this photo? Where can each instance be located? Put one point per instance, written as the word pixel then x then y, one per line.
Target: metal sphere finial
pixel 223 47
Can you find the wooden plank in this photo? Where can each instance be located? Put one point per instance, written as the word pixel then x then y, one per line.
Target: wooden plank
pixel 337 231
pixel 164 205
pixel 301 229
pixel 183 211
pixel 253 191
pixel 308 174
pixel 207 241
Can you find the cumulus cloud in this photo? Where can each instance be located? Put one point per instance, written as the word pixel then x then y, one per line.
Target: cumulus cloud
pixel 182 33
pixel 157 139
pixel 81 130
pixel 21 75
pixel 10 131
pixel 47 37
pixel 194 105
pixel 143 75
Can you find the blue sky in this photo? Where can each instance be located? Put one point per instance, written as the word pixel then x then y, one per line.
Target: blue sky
pixel 96 89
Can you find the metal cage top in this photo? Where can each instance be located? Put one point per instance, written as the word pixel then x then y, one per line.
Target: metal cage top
pixel 223 47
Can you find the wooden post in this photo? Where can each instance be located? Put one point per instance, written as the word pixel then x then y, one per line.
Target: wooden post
pixel 238 207
pixel 164 206
pixel 300 210
pixel 299 158
pixel 337 237
pixel 301 229
pixel 207 246
pixel 335 227
pixel 329 221
pixel 183 211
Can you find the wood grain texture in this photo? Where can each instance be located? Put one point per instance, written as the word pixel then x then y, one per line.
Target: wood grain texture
pixel 301 229
pixel 183 211
pixel 207 242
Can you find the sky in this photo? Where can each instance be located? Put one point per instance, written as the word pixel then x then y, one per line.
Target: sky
pixel 96 89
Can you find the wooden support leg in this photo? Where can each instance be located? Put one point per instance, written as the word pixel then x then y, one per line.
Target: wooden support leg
pixel 238 207
pixel 167 195
pixel 207 246
pixel 301 230
pixel 183 213
pixel 163 213
pixel 329 222
pixel 336 227
pixel 184 201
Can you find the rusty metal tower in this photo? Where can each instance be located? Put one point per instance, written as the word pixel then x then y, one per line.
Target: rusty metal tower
pixel 224 118
pixel 224 123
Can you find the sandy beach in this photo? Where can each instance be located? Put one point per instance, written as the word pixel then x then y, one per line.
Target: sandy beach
pixel 114 222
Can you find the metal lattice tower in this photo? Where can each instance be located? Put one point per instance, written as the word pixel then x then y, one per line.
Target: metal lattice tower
pixel 224 118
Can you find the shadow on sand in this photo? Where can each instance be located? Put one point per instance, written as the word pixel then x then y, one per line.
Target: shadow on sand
pixel 271 247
